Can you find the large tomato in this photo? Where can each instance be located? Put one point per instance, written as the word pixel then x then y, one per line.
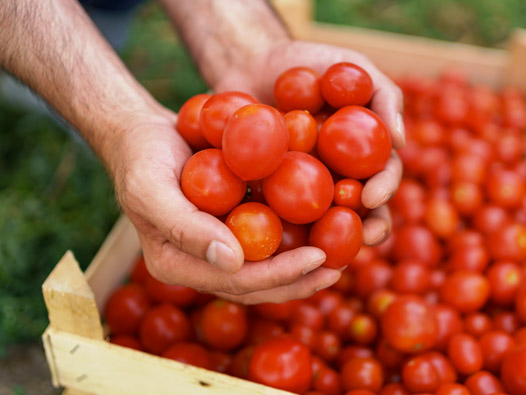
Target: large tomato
pixel 345 84
pixel 126 308
pixel 300 190
pixel 354 142
pixel 298 88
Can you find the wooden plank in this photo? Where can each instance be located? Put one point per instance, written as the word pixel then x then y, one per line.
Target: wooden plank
pixel 69 300
pixel 296 14
pixel 99 367
pixel 113 261
pixel 398 54
pixel 516 68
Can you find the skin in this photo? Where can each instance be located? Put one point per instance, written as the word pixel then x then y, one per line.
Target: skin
pixel 53 47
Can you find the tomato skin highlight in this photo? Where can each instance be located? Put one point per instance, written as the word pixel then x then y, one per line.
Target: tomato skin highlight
pixel 339 234
pixel 354 142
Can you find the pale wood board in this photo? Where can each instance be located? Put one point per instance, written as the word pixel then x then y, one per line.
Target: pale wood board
pixel 515 74
pixel 99 367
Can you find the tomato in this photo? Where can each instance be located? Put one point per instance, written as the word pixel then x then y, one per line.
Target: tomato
pixel 410 277
pixel 465 353
pixel 327 381
pixel 466 196
pixel 372 277
pixel 327 345
pixel 339 319
pixel 379 301
pixel 298 88
pixel 188 122
pixel 304 334
pixel 348 193
pixel 300 190
pixel 504 279
pixel 490 217
pixel 282 362
pixel 387 355
pixel 362 329
pixel 409 200
pixel 339 234
pixel 255 141
pixel 354 142
pixel 240 362
pixel 443 366
pixel 428 132
pixel 276 311
pixel 467 167
pixel 294 236
pixel 505 188
pixel 508 242
pixel 483 383
pixel 452 389
pixel 344 84
pixel 477 324
pixel 418 243
pixel 190 353
pixel 303 130
pixel 362 373
pixel 441 217
pixel 409 324
pixel 208 183
pixel 394 389
pixel 513 371
pixel 520 303
pixel 327 300
pixel 126 308
pixel 224 324
pixel 216 112
pixel 495 344
pixel 139 272
pixel 465 290
pixel 257 228
pixel 178 294
pixel 420 375
pixel 126 341
pixel 221 361
pixel 260 330
pixel 162 326
pixel 506 321
pixel 307 314
pixel 473 257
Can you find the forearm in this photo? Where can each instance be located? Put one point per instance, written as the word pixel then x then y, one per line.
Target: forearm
pixel 53 47
pixel 225 34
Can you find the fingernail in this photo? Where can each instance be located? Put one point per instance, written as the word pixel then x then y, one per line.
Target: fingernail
pixel 400 127
pixel 343 268
pixel 221 256
pixel 314 264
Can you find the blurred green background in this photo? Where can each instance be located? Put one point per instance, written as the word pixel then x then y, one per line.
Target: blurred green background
pixel 54 194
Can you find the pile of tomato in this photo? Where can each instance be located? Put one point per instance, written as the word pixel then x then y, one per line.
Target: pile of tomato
pixel 438 308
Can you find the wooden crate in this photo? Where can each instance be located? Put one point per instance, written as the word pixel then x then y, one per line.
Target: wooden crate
pixel 83 362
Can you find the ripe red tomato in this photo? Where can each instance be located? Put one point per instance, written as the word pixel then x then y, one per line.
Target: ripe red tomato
pixel 190 353
pixel 441 217
pixel 409 324
pixel 416 242
pixel 300 190
pixel 504 279
pixel 465 290
pixel 294 236
pixel 282 362
pixel 362 373
pixel 224 324
pixel 209 184
pixel 420 375
pixel 362 328
pixel 345 84
pixel 307 314
pixel 348 193
pixel 339 233
pixel 303 130
pixel 477 324
pixel 216 112
pixel 465 353
pixel 483 383
pixel 260 330
pixel 304 334
pixel 257 228
pixel 298 88
pixel 354 142
pixel 327 345
pixel 508 242
pixel 395 389
pixel 489 218
pixel 448 323
pixel 452 389
pixel 513 371
pixel 373 276
pixel 188 122
pixel 126 341
pixel 126 308
pixel 139 272
pixel 505 188
pixel 379 301
pixel 410 277
pixel 162 326
pixel 255 141
pixel 443 366
pixel 178 294
pixel 327 381
pixel 495 344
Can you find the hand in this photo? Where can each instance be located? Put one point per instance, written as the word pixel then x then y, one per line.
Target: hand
pixel 257 78
pixel 183 245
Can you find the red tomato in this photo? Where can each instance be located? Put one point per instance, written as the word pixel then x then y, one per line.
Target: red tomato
pixel 513 371
pixel 483 383
pixel 362 329
pixel 473 257
pixel 276 311
pixel 362 373
pixel 489 218
pixel 126 308
pixel 307 314
pixel 298 88
pixel 327 345
pixel 163 325
pixel 441 217
pixel 126 341
pixel 409 324
pixel 372 277
pixel 209 184
pixel 443 366
pixel 294 236
pixel 389 356
pixel 420 375
pixel 394 389
pixel 508 242
pixel 255 141
pixel 409 200
pixel 348 193
pixel 379 301
pixel 327 381
pixel 301 190
pixel 339 319
pixel 224 324
pixel 477 324
pixel 339 234
pixel 504 280
pixel 410 277
pixel 304 334
pixel 257 228
pixel 239 365
pixel 191 354
pixel 221 361
pixel 465 353
pixel 418 243
pixel 139 272
pixel 188 122
pixel 495 344
pixel 261 330
pixel 452 389
pixel 466 196
pixel 345 84
pixel 216 112
pixel 303 130
pixel 465 290
pixel 505 188
pixel 178 294
pixel 282 362
pixel 354 142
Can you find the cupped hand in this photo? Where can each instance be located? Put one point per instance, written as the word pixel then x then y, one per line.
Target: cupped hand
pixel 258 79
pixel 185 246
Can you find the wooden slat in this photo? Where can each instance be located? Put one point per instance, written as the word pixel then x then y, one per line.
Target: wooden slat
pixel 296 14
pixel 99 367
pixel 114 260
pixel 69 300
pixel 516 67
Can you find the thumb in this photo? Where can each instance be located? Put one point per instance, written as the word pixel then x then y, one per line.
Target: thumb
pixel 195 232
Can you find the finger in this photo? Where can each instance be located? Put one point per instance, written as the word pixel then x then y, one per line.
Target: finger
pixel 171 265
pixel 387 102
pixel 377 226
pixel 305 287
pixel 382 186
